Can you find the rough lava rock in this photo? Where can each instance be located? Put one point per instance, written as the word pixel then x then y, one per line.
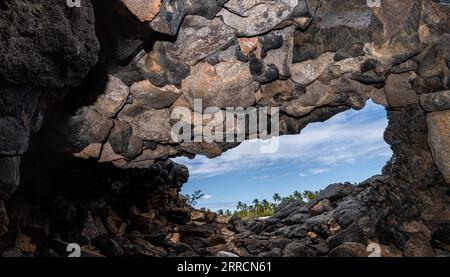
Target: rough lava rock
pixel 47 44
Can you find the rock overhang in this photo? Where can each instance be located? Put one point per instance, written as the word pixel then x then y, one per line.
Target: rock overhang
pixel 342 58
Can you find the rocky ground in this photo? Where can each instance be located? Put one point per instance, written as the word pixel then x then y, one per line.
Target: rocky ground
pixel 86 96
pixel 140 213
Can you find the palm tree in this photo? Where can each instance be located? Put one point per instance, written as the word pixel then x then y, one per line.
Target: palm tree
pixel 256 206
pixel 265 207
pixel 310 195
pixel 273 206
pixel 239 206
pixel 298 195
pixel 256 202
pixel 277 197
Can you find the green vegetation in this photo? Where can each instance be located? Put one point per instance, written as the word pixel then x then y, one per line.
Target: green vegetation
pixel 225 213
pixel 192 199
pixel 263 208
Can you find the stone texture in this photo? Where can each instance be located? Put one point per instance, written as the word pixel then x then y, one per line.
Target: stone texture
pixel 151 155
pixel 414 158
pixel 160 69
pixel 172 13
pixel 4 220
pixel 210 150
pixel 321 207
pixel 439 140
pixel 228 84
pixel 52 46
pixel 399 92
pixel 400 22
pixel 120 137
pixel 146 94
pixel 438 101
pixel 418 246
pixel 145 10
pixel 10 177
pixel 349 249
pixel 282 57
pixel 151 125
pixel 108 154
pixel 256 17
pixel 20 116
pixel 306 72
pixel 317 95
pixel 113 99
pixel 336 191
pixel 198 38
pixel 91 151
pixel 248 45
pixel 351 234
pixel 86 126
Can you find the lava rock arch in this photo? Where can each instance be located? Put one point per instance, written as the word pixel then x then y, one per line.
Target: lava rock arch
pixel 97 86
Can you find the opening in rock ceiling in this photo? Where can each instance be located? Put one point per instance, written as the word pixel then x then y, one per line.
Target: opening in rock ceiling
pixel 347 148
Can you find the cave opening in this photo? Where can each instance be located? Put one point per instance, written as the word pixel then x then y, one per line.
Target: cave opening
pixel 346 148
pixel 87 140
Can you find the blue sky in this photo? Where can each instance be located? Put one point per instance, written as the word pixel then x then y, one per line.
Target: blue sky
pixel 348 147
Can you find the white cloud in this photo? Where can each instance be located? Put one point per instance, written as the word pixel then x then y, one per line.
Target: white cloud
pixel 272 177
pixel 302 174
pixel 316 171
pixel 207 196
pixel 347 138
pixel 264 177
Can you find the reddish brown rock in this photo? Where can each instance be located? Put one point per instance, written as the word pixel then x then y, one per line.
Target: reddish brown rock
pixel 414 227
pixel 145 10
pixel 91 151
pixel 248 45
pixel 108 154
pixel 210 150
pixel 24 244
pixel 321 207
pixel 197 216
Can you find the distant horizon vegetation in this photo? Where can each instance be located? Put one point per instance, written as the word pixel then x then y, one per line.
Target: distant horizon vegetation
pixel 258 208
